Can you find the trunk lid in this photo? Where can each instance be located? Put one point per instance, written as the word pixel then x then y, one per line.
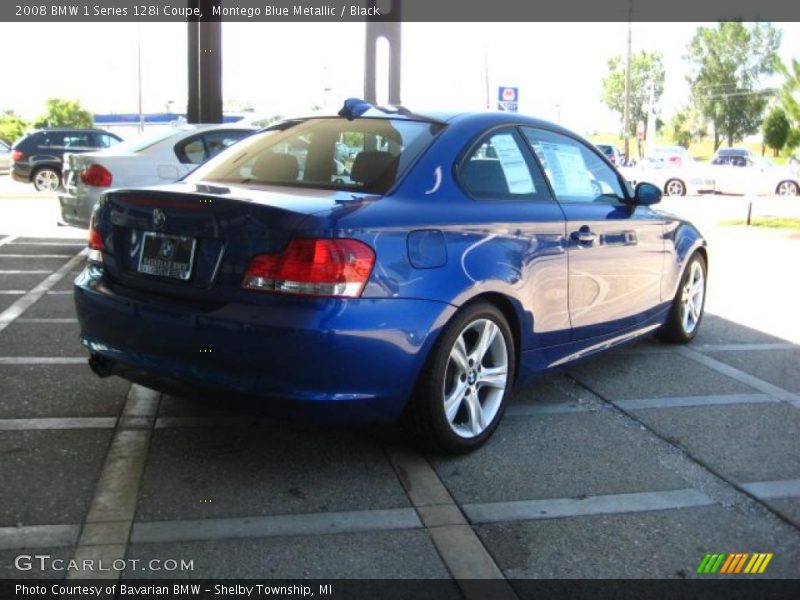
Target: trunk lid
pixel 215 230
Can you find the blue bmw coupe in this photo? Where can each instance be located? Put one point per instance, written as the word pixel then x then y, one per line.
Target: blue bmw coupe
pixel 423 272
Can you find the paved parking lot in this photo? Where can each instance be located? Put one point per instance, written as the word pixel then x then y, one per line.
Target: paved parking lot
pixel 634 464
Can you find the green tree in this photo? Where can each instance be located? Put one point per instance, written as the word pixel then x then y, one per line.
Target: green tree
pixel 727 64
pixel 646 68
pixel 11 127
pixel 686 126
pixel 64 113
pixel 790 93
pixel 776 130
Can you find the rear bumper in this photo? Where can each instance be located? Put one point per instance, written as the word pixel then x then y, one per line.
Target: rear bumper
pixel 348 359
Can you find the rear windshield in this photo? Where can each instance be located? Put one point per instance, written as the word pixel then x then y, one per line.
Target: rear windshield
pixel 364 155
pixel 145 141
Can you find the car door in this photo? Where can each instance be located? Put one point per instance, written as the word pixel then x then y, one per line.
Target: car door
pixel 525 226
pixel 615 250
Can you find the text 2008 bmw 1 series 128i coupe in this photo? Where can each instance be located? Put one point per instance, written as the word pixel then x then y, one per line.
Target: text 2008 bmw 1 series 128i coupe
pixel 380 263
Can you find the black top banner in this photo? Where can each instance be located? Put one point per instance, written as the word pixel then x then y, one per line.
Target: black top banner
pixel 397 10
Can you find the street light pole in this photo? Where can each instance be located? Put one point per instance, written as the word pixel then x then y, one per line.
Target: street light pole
pixel 139 73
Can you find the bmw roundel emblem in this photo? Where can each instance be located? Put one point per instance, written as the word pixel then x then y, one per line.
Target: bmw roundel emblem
pixel 159 218
pixel 167 248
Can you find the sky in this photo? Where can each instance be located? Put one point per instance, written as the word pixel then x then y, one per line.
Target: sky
pixel 288 68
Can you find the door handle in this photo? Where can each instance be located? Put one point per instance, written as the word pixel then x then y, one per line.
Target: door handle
pixel 584 235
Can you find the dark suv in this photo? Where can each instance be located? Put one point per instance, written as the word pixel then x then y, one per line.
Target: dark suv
pixel 38 156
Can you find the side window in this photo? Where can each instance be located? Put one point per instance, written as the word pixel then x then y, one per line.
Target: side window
pixel 191 151
pixel 77 140
pixel 219 140
pixel 103 140
pixel 49 139
pixel 576 173
pixel 497 169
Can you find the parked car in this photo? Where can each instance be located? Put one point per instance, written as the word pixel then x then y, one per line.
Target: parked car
pixel 748 174
pixel 5 157
pixel 691 179
pixel 675 156
pixel 732 156
pixel 38 155
pixel 465 254
pixel 612 153
pixel 160 157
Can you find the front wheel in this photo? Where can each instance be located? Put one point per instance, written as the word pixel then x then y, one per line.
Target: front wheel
pixel 46 180
pixel 675 187
pixel 687 306
pixel 462 391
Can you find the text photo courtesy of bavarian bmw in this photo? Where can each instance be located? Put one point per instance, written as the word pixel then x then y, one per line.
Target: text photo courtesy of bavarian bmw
pixel 381 263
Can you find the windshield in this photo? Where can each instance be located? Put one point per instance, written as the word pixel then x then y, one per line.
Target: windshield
pixel 363 155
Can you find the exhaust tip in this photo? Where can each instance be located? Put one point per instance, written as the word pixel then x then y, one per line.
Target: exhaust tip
pixel 101 366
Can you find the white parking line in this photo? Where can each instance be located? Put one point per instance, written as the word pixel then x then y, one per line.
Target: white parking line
pixel 772 490
pixel 58 423
pixel 38 536
pixel 24 271
pixel 7 240
pixel 19 306
pixel 461 549
pixel 59 292
pixel 739 375
pixel 77 244
pixel 745 347
pixel 51 320
pixel 527 510
pixel 34 256
pixel 683 401
pixel 43 360
pixel 12 292
pixel 105 532
pixel 277 525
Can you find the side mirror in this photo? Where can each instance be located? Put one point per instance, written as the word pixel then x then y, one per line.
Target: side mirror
pixel 646 194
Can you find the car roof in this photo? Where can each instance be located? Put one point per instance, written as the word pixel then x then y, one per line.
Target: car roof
pixel 57 129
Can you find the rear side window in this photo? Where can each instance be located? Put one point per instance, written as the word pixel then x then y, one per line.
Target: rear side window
pixel 364 155
pixel 576 173
pixel 198 149
pixel 497 169
pixel 103 140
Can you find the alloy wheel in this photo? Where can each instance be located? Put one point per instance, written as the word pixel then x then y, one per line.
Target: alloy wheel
pixel 675 188
pixel 475 378
pixel 787 188
pixel 692 297
pixel 46 180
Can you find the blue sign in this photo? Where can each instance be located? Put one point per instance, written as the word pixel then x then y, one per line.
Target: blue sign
pixel 507 98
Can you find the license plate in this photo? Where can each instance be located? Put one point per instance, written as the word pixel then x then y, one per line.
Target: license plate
pixel 167 255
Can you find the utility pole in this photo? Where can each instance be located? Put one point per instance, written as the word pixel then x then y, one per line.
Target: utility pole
pixel 626 113
pixel 139 73
pixel 486 72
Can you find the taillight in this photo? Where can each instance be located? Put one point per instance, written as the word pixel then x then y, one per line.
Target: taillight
pixel 327 267
pixel 96 175
pixel 17 155
pixel 96 245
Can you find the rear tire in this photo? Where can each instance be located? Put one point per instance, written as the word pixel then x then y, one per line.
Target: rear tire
pixel 46 179
pixel 787 188
pixel 462 392
pixel 686 311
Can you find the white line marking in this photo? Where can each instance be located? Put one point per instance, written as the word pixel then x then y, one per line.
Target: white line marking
pixel 277 525
pixel 43 360
pixel 683 401
pixel 25 272
pixel 769 490
pixel 54 321
pixel 38 536
pixel 114 503
pixel 525 510
pixel 461 550
pixel 77 244
pixel 14 311
pixel 739 375
pixel 745 347
pixel 58 292
pixel 7 240
pixel 34 256
pixel 12 292
pixel 58 423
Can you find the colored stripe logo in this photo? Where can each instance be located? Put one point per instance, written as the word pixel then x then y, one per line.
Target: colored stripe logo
pixel 735 563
